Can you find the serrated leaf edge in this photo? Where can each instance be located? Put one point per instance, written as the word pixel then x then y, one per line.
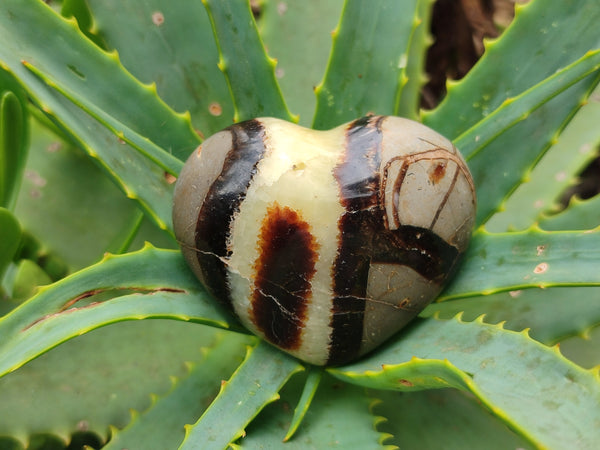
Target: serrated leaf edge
pixel 114 55
pixel 379 420
pixel 135 415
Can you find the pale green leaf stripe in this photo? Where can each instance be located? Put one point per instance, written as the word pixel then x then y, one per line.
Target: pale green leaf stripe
pixel 254 384
pixel 70 58
pixel 186 401
pixel 163 288
pixel 516 109
pixel 249 71
pixel 143 145
pixel 525 259
pixel 370 48
pixel 539 41
pixel 540 394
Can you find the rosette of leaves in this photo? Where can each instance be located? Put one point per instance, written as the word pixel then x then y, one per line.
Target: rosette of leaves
pixel 110 97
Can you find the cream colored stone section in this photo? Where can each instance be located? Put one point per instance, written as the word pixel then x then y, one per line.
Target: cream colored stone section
pixel 416 202
pixel 419 198
pixel 405 137
pixel 297 172
pixel 199 172
pixel 397 293
pixel 457 217
pixel 417 149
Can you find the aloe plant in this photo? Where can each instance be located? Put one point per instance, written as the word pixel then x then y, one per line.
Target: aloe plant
pixel 109 97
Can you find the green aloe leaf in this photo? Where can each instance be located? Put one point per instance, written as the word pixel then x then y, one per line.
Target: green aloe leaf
pixel 70 58
pixel 521 147
pixel 412 77
pixel 86 197
pixel 339 417
pixel 138 361
pixel 551 314
pixel 14 137
pixel 23 279
pixel 313 380
pixel 170 44
pixel 254 384
pixel 493 184
pixel 508 67
pixel 537 198
pixel 514 110
pixel 583 349
pixel 496 366
pixel 579 215
pixel 162 287
pixel 81 12
pixel 454 412
pixel 185 402
pixel 10 239
pixel 139 178
pixel 143 145
pixel 249 71
pixel 369 51
pixel 298 36
pixel 536 259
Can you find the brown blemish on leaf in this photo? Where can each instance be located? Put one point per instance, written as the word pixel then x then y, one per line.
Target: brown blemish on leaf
pixel 67 307
pixel 281 8
pixel 35 178
pixel 215 109
pixel 541 268
pixel 540 249
pixel 54 147
pixel 158 18
pixel 406 383
pixel 170 178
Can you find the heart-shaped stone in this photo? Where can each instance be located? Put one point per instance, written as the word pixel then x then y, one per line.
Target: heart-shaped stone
pixel 325 243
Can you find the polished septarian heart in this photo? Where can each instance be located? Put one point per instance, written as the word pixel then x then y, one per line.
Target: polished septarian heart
pixel 325 243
